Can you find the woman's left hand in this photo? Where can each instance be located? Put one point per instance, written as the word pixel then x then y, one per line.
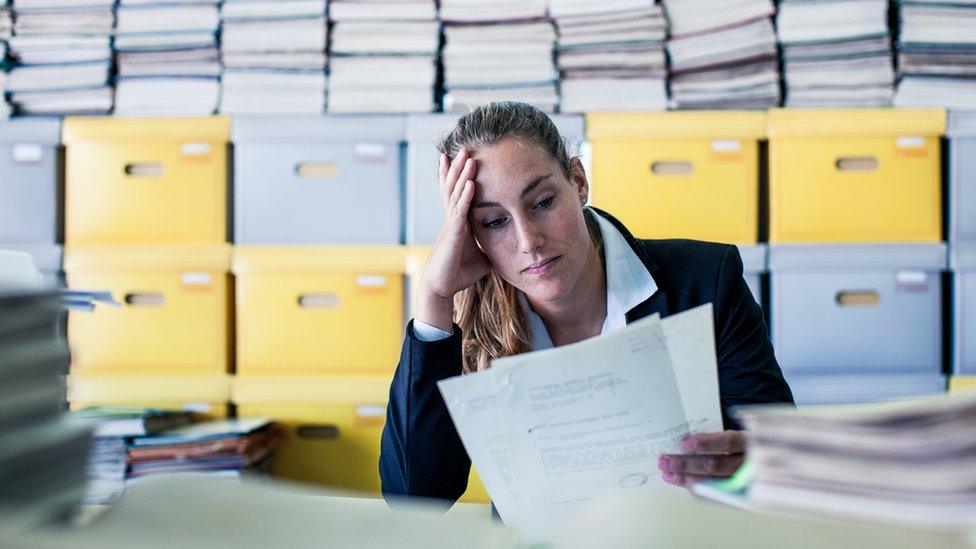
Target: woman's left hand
pixel 707 457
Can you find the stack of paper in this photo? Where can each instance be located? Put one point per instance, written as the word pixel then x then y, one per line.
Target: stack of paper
pixel 6 29
pixel 499 61
pixel 42 455
pixel 551 430
pixel 384 56
pixel 836 53
pixel 910 463
pixel 723 54
pixel 274 56
pixel 937 54
pixel 168 60
pixel 610 55
pixel 62 56
pixel 6 20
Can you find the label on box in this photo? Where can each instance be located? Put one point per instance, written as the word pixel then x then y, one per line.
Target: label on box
pixel 726 149
pixel 27 153
pixel 911 145
pixel 370 415
pixel 371 281
pixel 912 282
pixel 195 149
pixel 196 281
pixel 370 153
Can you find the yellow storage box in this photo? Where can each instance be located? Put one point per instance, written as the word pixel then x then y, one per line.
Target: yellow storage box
pixel 141 181
pixel 207 395
pixel 855 175
pixel 962 383
pixel 679 174
pixel 319 311
pixel 332 428
pixel 176 315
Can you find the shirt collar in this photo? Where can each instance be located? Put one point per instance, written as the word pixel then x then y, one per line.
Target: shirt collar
pixel 628 285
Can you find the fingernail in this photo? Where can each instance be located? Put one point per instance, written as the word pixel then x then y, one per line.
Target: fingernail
pixel 664 463
pixel 669 477
pixel 689 444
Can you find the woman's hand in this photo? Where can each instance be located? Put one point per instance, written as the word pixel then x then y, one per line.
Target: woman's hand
pixel 707 457
pixel 455 262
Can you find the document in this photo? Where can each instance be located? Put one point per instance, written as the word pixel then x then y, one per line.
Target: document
pixel 551 430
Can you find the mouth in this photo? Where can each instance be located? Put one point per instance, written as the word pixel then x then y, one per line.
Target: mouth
pixel 541 267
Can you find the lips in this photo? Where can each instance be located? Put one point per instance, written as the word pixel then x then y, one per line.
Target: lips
pixel 541 266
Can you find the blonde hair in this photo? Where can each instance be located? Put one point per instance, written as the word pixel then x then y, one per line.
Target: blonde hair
pixel 493 323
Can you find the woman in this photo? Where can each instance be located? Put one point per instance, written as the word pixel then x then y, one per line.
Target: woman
pixel 523 265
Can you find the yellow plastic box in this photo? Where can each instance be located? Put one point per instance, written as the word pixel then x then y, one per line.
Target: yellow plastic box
pixel 961 383
pixel 679 174
pixel 332 428
pixel 319 311
pixel 142 181
pixel 206 395
pixel 855 175
pixel 176 315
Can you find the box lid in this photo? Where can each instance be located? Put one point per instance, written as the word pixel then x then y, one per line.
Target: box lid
pixel 753 257
pixel 325 127
pixel 961 124
pixel 284 259
pixel 835 122
pixel 214 257
pixel 676 125
pixel 211 128
pixel 963 257
pixel 104 388
pixel 315 390
pixel 928 257
pixel 34 130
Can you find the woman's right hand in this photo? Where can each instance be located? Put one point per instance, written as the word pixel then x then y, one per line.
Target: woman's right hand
pixel 455 262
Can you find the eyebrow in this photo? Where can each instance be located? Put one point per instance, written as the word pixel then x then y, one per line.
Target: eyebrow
pixel 528 188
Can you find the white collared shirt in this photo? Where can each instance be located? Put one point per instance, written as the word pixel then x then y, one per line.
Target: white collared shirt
pixel 628 285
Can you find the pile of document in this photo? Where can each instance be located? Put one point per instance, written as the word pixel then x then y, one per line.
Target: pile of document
pixel 274 56
pixel 552 430
pixel 168 60
pixel 911 463
pixel 723 54
pixel 383 56
pixel 836 53
pixel 42 454
pixel 610 55
pixel 937 54
pixel 498 51
pixel 62 56
pixel 6 29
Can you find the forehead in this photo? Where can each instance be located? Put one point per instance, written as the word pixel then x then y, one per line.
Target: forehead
pixel 511 164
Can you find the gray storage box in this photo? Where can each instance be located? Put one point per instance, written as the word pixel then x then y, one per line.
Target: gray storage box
pixel 963 265
pixel 961 132
pixel 425 212
pixel 29 173
pixel 814 390
pixel 326 180
pixel 857 309
pixel 47 258
pixel 753 266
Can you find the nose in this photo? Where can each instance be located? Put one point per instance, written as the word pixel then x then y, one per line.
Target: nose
pixel 529 235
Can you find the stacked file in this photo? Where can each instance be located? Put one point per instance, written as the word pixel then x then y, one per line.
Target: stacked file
pixel 610 55
pixel 937 54
pixel 836 53
pixel 168 60
pixel 274 57
pixel 497 51
pixel 62 56
pixel 6 29
pixel 42 455
pixel 909 463
pixel 384 56
pixel 723 54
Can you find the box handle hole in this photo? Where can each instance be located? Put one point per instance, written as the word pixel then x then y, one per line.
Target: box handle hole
pixel 321 432
pixel 858 298
pixel 145 169
pixel 857 164
pixel 145 299
pixel 672 167
pixel 316 170
pixel 318 301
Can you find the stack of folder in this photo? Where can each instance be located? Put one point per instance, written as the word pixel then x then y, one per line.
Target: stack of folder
pixel 937 54
pixel 836 53
pixel 723 54
pixel 384 56
pixel 496 51
pixel 274 57
pixel 610 55
pixel 168 60
pixel 42 454
pixel 62 57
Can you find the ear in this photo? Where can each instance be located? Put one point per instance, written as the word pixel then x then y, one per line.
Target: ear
pixel 579 181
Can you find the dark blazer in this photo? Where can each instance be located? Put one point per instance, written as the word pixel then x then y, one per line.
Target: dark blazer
pixel 421 453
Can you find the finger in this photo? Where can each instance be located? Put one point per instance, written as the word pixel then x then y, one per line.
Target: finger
pixel 451 177
pixel 726 442
pixel 442 169
pixel 684 480
pixel 465 176
pixel 707 465
pixel 460 211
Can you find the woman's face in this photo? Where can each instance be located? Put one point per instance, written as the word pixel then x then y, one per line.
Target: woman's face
pixel 528 218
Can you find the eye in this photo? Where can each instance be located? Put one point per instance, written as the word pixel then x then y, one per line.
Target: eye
pixel 495 224
pixel 545 203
